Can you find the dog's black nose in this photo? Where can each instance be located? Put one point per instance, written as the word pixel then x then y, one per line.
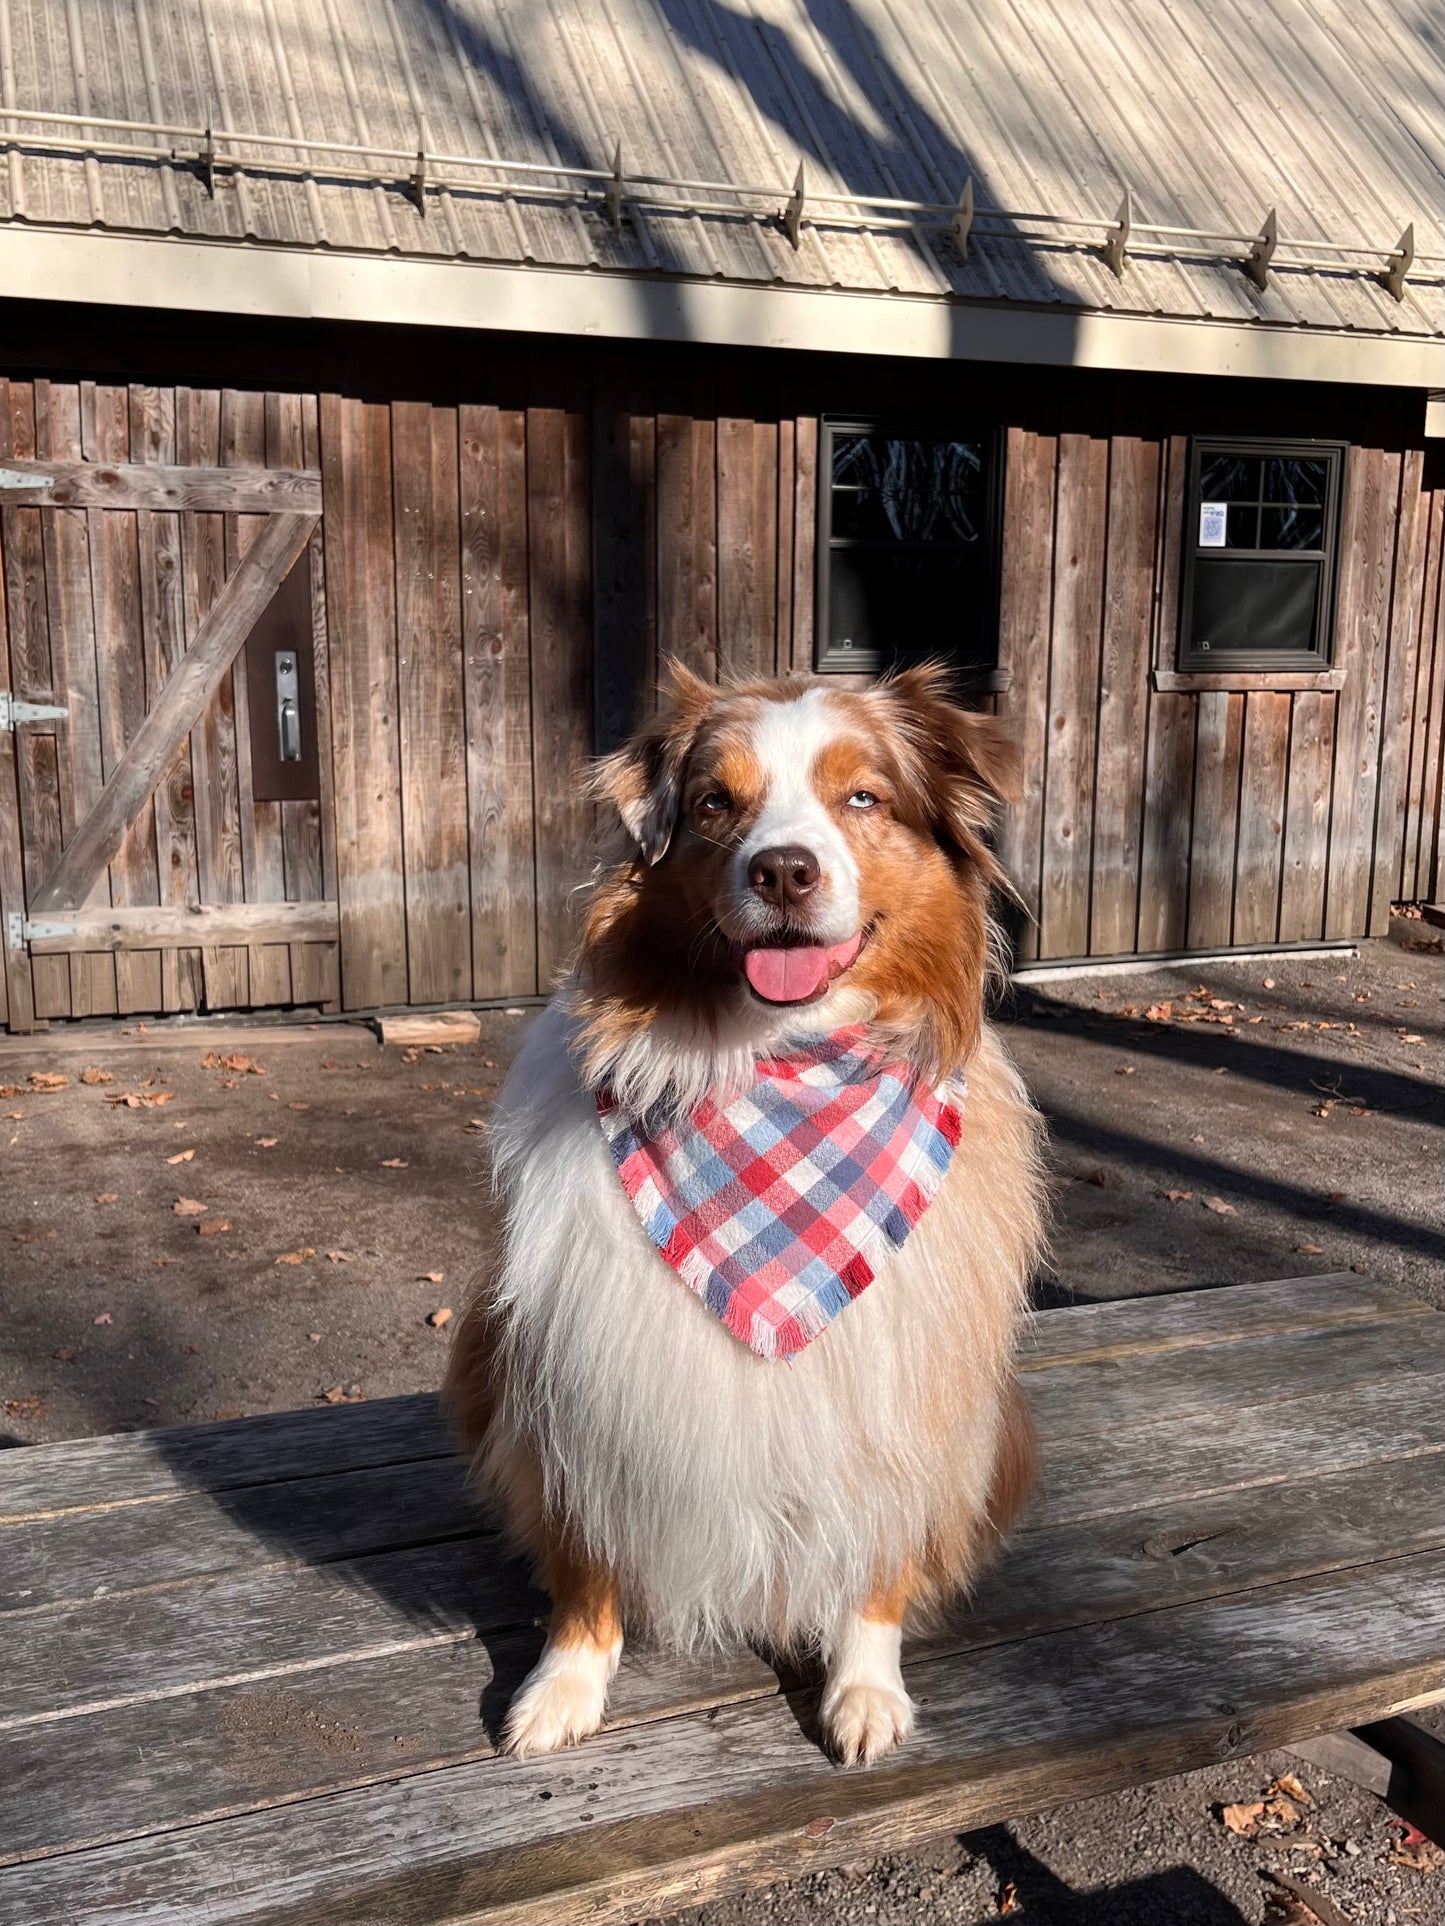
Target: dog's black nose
pixel 783 877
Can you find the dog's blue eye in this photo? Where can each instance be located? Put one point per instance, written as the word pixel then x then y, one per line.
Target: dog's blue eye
pixel 862 799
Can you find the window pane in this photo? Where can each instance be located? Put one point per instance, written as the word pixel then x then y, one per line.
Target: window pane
pixel 1296 479
pixel 1253 607
pixel 1229 478
pixel 893 489
pixel 894 604
pixel 1292 528
pixel 1242 528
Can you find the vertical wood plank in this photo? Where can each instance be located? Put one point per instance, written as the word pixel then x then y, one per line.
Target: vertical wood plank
pixel 123 696
pixel 316 967
pixel 1218 745
pixel 1025 616
pixel 1078 583
pixel 1428 872
pixel 361 624
pixel 1416 794
pixel 1307 818
pixel 1372 507
pixel 225 971
pixel 1260 847
pixel 263 869
pixel 430 702
pixel 746 547
pixel 1123 694
pixel 498 703
pixel 687 542
pixel 1169 756
pixel 1407 589
pixel 621 561
pixel 17 999
pixel 163 634
pixel 38 843
pixel 783 511
pixel 312 965
pixel 805 538
pixel 559 572
pixel 69 595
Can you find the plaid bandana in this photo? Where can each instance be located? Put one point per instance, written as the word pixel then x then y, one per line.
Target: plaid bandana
pixel 777 1207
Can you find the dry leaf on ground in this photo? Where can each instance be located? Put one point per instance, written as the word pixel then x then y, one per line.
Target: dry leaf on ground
pixel 342 1394
pixel 108 1197
pixel 1288 1787
pixel 268 1143
pixel 32 1237
pixel 1008 1898
pixel 436 1319
pixel 338 1257
pixel 102 1317
pixel 181 1157
pixel 1159 1012
pixel 228 1411
pixel 296 1257
pixel 189 1207
pixel 431 1277
pixel 1175 1196
pixel 142 1099
pixel 47 1080
pixel 1414 1851
pixel 394 1163
pixel 1310 1250
pixel 66 1353
pixel 23 1407
pixel 213 1226
pixel 96 1076
pixel 231 1061
pixel 1219 1207
pixel 1125 1070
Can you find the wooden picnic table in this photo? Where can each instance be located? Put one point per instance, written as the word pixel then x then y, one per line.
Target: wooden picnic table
pixel 252 1671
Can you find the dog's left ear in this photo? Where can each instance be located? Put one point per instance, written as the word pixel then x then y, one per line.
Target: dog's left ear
pixel 643 779
pixel 970 762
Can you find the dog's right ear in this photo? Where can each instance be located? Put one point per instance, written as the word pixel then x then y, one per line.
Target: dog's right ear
pixel 643 779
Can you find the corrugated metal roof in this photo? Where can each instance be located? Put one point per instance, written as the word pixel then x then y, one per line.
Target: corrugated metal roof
pixel 1209 111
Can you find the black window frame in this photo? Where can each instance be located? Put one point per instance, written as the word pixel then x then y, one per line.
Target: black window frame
pixel 1325 561
pixel 828 660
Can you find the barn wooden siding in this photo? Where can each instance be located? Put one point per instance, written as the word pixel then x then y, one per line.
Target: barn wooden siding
pixel 494 587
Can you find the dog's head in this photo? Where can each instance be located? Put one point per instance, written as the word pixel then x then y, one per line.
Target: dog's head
pixel 804 857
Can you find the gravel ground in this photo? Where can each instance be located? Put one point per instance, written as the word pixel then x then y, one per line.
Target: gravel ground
pixel 1302 1095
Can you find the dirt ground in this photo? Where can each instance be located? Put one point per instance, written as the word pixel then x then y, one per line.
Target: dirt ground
pixel 244 1220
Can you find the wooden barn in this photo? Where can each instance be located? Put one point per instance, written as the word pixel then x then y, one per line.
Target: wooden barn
pixel 387 385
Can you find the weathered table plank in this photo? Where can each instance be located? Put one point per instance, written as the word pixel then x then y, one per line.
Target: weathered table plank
pixel 507 1840
pixel 315 1722
pixel 269 1642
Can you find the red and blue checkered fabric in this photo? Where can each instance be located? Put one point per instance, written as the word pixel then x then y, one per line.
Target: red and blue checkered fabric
pixel 778 1206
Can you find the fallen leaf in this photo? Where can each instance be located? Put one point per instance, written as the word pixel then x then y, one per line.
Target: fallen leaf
pixel 431 1277
pixel 1175 1196
pixel 163 1263
pixel 193 1350
pixel 102 1317
pixel 1414 1851
pixel 1159 1012
pixel 66 1354
pixel 1125 1070
pixel 1243 1820
pixel 228 1411
pixel 15 1116
pixel 1218 1205
pixel 1310 1250
pixel 296 1257
pixel 23 1407
pixel 1098 1178
pixel 394 1163
pixel 181 1157
pixel 241 1065
pixel 213 1226
pixel 1323 1109
pixel 1196 1140
pixel 1412 1038
pixel 341 1394
pixel 189 1207
pixel 298 1106
pixel 1269 982
pixel 1008 1899
pixel 1288 1786
pixel 313 1337
pixel 96 1076
pixel 476 1123
pixel 338 1257
pixel 32 1237
pixel 47 1080
pixel 142 1099
pixel 436 1319
pixel 108 1197
pixel 268 1143
pixel 1297 1904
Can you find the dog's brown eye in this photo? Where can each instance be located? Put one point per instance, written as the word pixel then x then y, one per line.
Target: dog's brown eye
pixel 862 799
pixel 715 803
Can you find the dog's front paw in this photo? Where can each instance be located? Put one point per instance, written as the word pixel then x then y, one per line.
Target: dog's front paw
pixel 561 1701
pixel 863 1721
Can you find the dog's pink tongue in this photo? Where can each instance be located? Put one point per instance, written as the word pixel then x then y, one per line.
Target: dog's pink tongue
pixel 791 975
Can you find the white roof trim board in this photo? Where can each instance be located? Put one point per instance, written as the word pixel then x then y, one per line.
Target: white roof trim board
pixel 1273 164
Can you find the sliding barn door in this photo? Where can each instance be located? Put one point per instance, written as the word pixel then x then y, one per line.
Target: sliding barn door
pixel 165 806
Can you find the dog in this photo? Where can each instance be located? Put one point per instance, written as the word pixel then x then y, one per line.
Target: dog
pixel 806 879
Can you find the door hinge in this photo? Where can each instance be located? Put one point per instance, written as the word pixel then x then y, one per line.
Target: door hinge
pixel 14 710
pixel 19 930
pixel 23 478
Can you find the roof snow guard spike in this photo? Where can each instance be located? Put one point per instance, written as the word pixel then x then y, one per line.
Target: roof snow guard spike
pixel 418 176
pixel 963 219
pixel 1399 263
pixel 1261 254
pixel 206 162
pixel 792 214
pixel 1116 243
pixel 614 191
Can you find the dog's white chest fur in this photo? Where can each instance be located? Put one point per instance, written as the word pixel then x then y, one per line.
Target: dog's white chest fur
pixel 733 1495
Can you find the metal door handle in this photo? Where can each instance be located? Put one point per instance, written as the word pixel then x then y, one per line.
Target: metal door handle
pixel 288 707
